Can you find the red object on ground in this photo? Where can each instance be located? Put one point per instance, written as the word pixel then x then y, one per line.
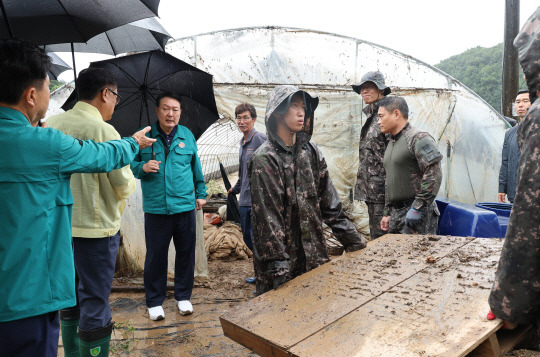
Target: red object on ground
pixel 491 315
pixel 211 217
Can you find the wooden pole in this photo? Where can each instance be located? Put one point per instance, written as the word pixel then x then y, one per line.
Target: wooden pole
pixel 510 78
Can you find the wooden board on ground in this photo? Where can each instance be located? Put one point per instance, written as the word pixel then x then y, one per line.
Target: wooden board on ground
pixel 387 299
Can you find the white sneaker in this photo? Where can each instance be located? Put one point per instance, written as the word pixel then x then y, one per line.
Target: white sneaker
pixel 156 313
pixel 185 307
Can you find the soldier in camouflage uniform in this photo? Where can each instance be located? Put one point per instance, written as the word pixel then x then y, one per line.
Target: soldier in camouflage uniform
pixel 371 175
pixel 515 295
pixel 292 194
pixel 413 172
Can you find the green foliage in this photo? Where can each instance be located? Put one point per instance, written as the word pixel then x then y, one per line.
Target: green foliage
pixel 480 69
pixel 127 338
pixel 213 188
pixel 55 85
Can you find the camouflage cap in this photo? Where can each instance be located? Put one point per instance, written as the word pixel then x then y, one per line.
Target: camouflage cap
pixel 375 77
pixel 527 43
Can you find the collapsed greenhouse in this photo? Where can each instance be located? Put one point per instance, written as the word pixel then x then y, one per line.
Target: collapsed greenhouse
pixel 247 63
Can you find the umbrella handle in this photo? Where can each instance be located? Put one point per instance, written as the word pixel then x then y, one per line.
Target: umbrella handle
pixel 153 153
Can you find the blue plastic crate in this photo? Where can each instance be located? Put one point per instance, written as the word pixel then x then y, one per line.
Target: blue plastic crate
pixel 464 220
pixel 502 210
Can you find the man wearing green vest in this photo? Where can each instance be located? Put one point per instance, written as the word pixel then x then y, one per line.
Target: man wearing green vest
pixel 413 172
pixel 37 274
pixel 99 203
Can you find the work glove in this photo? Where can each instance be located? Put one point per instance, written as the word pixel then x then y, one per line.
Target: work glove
pixel 413 217
pixel 279 281
pixel 278 270
pixel 361 244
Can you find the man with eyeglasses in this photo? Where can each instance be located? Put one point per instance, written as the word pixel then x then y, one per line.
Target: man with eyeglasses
pixel 173 187
pixel 99 203
pixel 246 117
pixel 508 174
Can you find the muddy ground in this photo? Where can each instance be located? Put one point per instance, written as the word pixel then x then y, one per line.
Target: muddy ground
pixel 199 334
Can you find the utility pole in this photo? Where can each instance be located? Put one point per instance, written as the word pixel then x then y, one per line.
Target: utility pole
pixel 510 80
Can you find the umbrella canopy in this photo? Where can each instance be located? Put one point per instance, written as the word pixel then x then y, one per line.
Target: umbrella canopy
pixel 143 76
pixel 57 66
pixel 141 35
pixel 65 21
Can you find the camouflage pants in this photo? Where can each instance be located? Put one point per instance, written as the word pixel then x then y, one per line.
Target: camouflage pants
pixel 428 224
pixel 375 211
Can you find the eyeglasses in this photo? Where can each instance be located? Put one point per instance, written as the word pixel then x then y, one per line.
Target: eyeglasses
pixel 118 97
pixel 246 118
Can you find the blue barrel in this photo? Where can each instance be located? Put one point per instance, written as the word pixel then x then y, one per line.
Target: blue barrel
pixel 461 219
pixel 502 210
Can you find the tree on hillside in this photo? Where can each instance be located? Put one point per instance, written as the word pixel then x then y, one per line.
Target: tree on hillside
pixel 55 85
pixel 480 69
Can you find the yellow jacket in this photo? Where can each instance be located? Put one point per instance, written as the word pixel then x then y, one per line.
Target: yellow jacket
pixel 99 198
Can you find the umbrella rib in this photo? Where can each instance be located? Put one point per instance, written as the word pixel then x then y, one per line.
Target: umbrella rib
pixel 140 114
pixel 147 68
pixel 135 82
pixel 163 78
pixel 110 43
pixel 72 20
pixel 125 102
pixel 8 25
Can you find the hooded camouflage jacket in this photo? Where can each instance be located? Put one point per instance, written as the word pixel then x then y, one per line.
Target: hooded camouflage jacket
pixel 292 195
pixel 515 295
pixel 371 174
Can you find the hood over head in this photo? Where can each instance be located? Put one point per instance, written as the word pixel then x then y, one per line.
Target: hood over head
pixel 527 43
pixel 375 77
pixel 279 102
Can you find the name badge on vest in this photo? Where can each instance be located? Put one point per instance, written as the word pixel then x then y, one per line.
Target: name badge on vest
pixel 182 145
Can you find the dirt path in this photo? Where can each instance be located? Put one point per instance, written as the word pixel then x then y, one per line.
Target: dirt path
pixel 199 334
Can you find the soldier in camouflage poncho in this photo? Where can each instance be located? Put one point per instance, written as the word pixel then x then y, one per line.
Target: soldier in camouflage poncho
pixel 413 172
pixel 292 194
pixel 371 174
pixel 515 295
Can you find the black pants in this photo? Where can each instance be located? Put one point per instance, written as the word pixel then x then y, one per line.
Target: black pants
pixel 30 337
pixel 159 229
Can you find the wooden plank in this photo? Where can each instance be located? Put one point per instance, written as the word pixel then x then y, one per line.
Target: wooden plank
pixel 508 339
pixel 489 348
pixel 248 340
pixel 439 311
pixel 316 299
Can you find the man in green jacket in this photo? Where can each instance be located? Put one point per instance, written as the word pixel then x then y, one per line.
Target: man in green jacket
pixel 99 203
pixel 173 186
pixel 37 273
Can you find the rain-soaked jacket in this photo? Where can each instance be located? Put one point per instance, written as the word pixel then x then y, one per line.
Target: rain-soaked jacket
pixel 292 195
pixel 371 175
pixel 515 295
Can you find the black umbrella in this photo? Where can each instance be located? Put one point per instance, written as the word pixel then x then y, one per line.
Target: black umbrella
pixel 233 211
pixel 143 76
pixel 66 21
pixel 57 66
pixel 138 36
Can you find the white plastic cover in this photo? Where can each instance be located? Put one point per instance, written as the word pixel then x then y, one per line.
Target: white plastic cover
pixel 247 64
